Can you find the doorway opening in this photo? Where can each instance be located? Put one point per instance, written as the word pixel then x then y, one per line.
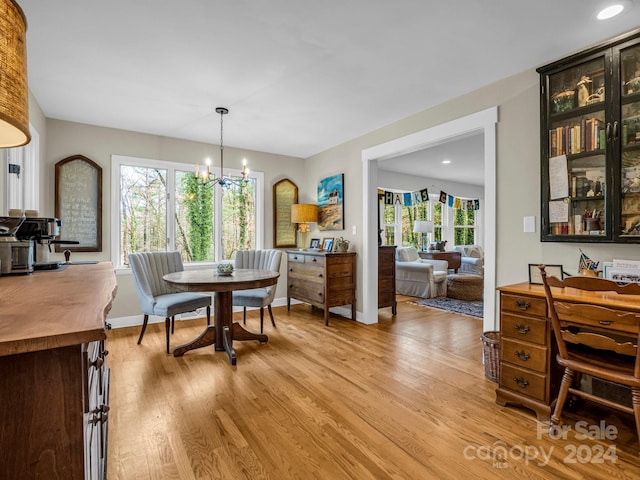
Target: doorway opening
pixel 483 122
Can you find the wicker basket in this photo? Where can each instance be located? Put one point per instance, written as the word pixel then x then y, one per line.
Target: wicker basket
pixel 491 355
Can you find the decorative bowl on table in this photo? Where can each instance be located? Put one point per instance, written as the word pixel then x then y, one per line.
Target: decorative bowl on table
pixel 225 268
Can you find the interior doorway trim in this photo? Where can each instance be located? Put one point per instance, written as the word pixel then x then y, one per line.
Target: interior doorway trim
pixel 483 121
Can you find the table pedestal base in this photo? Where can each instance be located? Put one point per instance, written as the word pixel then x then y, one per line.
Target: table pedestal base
pixel 223 332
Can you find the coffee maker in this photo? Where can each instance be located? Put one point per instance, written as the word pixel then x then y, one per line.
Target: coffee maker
pixel 16 256
pixel 43 232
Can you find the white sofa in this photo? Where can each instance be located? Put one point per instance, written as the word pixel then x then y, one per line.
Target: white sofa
pixel 472 259
pixel 419 277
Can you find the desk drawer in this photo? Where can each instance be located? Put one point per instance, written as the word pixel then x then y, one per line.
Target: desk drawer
pixel 525 355
pixel 527 329
pixel 611 320
pixel 523 304
pixel 523 381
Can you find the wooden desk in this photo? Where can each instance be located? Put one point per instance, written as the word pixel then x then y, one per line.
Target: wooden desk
pixel 225 330
pixel 529 373
pixel 454 259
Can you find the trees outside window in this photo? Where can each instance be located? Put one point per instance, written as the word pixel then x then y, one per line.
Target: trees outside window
pixel 463 227
pixel 161 206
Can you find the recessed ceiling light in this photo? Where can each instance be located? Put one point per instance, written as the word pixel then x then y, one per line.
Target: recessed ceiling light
pixel 610 11
pixel 446 161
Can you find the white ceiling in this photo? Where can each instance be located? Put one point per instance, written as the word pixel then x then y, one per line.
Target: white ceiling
pixel 465 154
pixel 298 76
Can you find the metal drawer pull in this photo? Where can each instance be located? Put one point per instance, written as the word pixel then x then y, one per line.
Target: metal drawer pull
pixel 522 304
pixel 522 329
pixel 522 383
pixel 605 322
pixel 522 355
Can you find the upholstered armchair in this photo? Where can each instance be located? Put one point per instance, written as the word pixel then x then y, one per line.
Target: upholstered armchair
pixel 472 259
pixel 419 277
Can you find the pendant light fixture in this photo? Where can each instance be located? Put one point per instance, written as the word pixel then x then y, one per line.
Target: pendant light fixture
pixel 14 93
pixel 207 177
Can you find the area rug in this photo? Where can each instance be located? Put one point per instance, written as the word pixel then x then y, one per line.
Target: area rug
pixel 473 308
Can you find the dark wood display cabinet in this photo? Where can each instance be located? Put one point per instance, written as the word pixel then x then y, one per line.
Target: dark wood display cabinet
pixel 590 144
pixel 387 277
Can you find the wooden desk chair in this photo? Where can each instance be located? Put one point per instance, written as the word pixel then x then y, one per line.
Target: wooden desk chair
pixel 594 340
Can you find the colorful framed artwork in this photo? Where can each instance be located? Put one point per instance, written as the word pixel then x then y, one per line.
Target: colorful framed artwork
pixel 331 203
pixel 327 244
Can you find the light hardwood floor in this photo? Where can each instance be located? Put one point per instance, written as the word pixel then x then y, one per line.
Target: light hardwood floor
pixel 403 399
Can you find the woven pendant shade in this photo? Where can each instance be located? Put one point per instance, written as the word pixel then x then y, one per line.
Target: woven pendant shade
pixel 14 96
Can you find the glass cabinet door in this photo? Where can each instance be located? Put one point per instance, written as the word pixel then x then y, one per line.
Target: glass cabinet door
pixel 630 143
pixel 577 135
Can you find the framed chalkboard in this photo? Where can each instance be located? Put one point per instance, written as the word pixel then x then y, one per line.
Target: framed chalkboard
pixel 79 203
pixel 285 194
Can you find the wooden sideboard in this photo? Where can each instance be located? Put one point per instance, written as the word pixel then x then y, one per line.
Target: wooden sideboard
pixel 387 277
pixel 529 373
pixel 54 380
pixel 322 279
pixel 454 259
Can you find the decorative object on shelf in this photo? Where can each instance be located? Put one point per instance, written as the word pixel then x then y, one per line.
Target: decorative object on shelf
pixel 331 203
pixel 303 214
pixel 327 244
pixel 423 227
pixel 285 194
pixel 633 85
pixel 207 177
pixel 563 101
pixel 584 90
pixel 225 268
pixel 14 94
pixel 315 244
pixel 341 245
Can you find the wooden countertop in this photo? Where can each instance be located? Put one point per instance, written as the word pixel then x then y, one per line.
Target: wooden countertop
pixel 607 299
pixel 52 309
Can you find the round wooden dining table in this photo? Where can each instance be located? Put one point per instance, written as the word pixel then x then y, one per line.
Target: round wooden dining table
pixel 224 330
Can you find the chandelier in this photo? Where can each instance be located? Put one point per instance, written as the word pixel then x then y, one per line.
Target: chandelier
pixel 208 178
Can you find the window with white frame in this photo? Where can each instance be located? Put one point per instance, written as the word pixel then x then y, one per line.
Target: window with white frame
pixel 22 181
pixel 159 206
pixel 464 222
pixel 457 227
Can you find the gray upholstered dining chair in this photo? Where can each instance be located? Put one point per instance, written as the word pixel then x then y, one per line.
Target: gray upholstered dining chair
pixel 155 296
pixel 257 297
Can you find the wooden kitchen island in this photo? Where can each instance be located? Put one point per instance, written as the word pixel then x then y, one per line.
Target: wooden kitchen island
pixel 54 382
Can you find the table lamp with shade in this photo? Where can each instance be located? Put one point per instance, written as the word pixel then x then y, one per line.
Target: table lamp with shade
pixel 423 227
pixel 303 214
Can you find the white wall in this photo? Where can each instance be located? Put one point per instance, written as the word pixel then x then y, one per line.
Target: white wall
pixel 98 144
